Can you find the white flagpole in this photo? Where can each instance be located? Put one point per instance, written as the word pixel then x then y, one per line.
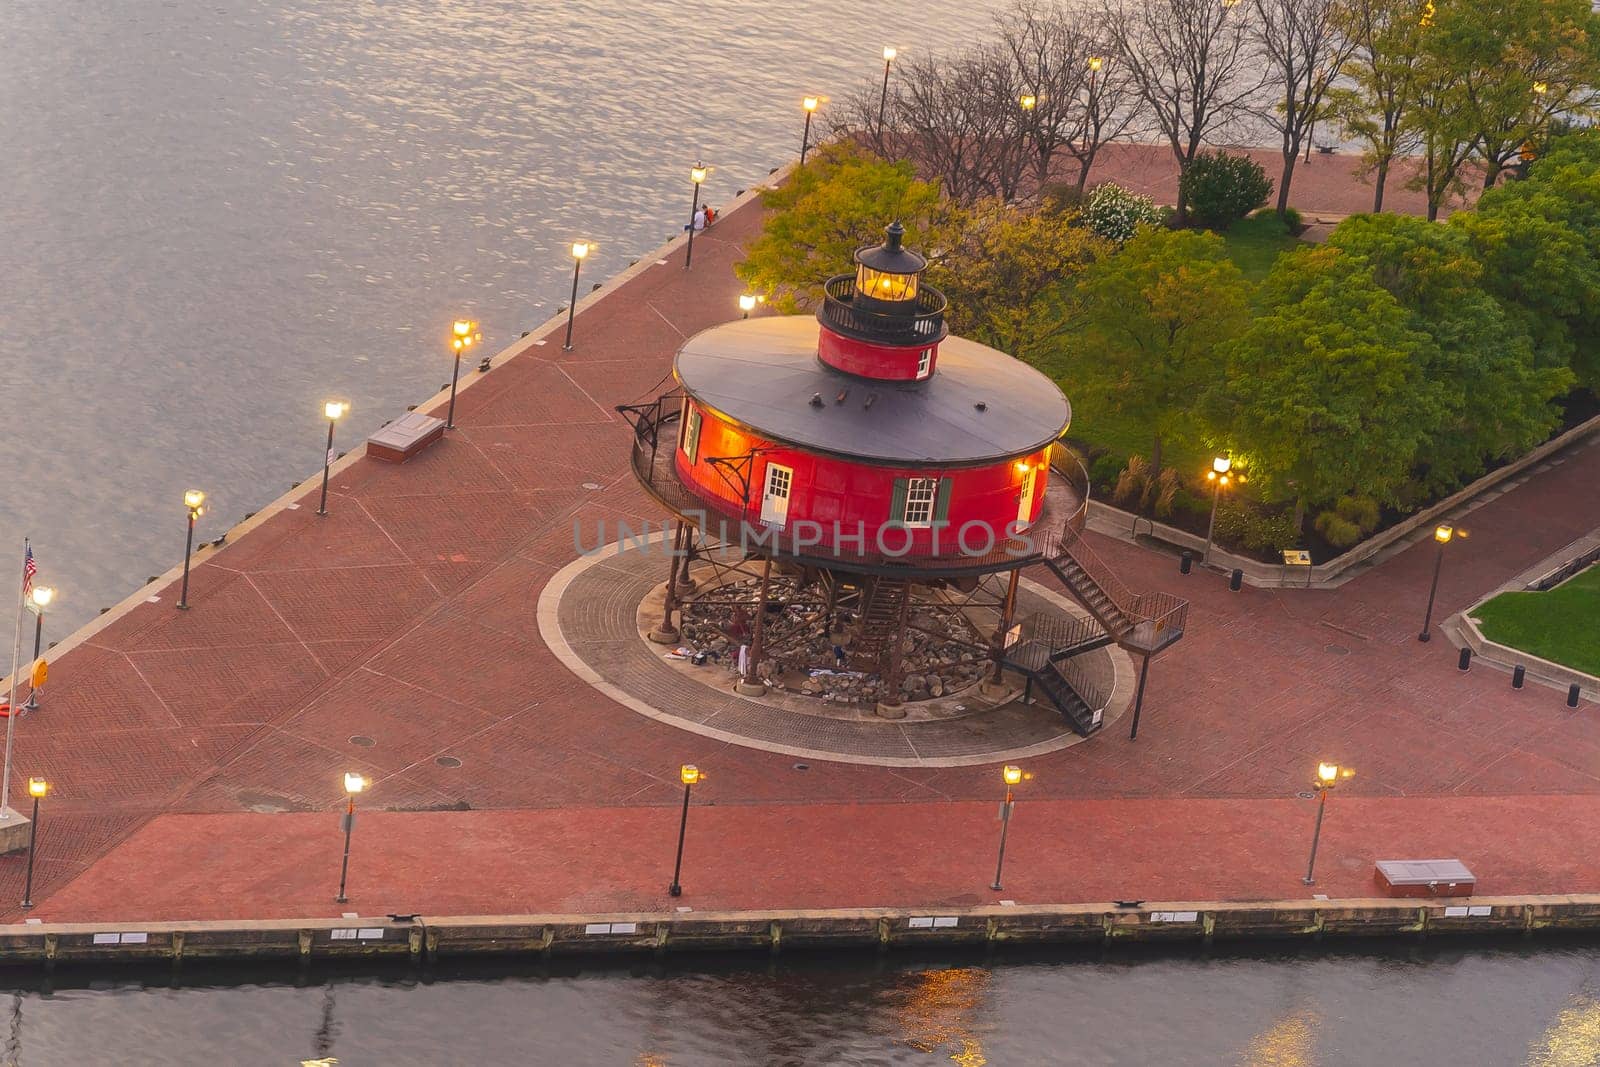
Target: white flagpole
pixel 11 702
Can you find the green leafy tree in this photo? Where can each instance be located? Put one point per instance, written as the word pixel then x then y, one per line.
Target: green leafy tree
pixel 1550 64
pixel 1495 399
pixel 1491 77
pixel 1382 82
pixel 1324 393
pixel 1007 269
pixel 839 201
pixel 1539 243
pixel 1011 275
pixel 1155 314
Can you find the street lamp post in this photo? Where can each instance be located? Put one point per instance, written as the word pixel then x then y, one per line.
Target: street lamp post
pixel 334 410
pixel 697 175
pixel 689 774
pixel 1442 534
pixel 353 784
pixel 1012 775
pixel 810 106
pixel 747 304
pixel 1218 476
pixel 37 789
pixel 194 500
pixel 463 335
pixel 38 599
pixel 883 98
pixel 1327 775
pixel 579 250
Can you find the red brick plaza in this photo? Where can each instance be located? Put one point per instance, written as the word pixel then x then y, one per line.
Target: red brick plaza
pixel 196 756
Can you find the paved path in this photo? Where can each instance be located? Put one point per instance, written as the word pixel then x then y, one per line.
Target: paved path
pixel 406 618
pixel 1328 186
pixel 741 856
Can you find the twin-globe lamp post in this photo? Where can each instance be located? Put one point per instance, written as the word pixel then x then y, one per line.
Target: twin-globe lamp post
pixel 194 501
pixel 1012 775
pixel 1219 478
pixel 38 788
pixel 353 784
pixel 463 335
pixel 1328 775
pixel 697 176
pixel 39 598
pixel 690 775
pixel 580 249
pixel 334 410
pixel 1442 534
pixel 809 104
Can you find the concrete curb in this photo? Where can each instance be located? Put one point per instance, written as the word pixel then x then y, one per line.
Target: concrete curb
pixel 1114 522
pixel 547 615
pixel 418 937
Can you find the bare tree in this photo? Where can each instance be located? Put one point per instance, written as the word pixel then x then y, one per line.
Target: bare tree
pixel 1304 51
pixel 1075 102
pixel 1383 82
pixel 1192 62
pixel 1111 104
pixel 961 119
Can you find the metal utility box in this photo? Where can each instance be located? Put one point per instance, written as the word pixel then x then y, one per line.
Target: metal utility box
pixel 1425 878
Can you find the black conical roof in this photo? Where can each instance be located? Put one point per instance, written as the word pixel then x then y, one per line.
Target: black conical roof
pixel 890 257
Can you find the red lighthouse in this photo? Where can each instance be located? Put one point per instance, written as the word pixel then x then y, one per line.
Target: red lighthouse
pixel 875 457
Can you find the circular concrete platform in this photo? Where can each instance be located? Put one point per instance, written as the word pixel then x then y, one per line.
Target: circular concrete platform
pixel 590 616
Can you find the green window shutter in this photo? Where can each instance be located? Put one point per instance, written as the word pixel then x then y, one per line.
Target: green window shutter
pixel 941 502
pixel 897 507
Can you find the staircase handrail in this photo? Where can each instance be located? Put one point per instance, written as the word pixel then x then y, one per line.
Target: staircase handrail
pixel 1075 672
pixel 1065 464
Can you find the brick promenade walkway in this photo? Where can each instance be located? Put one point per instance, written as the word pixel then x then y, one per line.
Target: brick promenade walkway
pixel 406 617
pixel 1328 185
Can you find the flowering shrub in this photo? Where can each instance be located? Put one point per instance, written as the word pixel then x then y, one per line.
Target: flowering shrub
pixel 1116 214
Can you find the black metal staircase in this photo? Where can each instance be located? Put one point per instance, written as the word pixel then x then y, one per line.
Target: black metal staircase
pixel 1045 652
pixel 1144 623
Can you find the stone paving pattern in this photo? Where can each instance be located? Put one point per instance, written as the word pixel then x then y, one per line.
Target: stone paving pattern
pixel 407 616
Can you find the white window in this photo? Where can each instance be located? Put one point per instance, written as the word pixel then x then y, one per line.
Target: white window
pixel 924 362
pixel 691 432
pixel 920 495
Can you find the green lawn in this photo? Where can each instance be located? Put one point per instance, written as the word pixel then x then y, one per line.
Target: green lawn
pixel 1255 244
pixel 1558 624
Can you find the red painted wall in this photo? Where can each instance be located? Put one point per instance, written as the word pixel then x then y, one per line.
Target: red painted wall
pixel 886 362
pixel 858 496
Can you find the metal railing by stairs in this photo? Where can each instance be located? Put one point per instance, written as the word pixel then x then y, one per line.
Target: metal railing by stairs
pixel 1145 623
pixel 1045 653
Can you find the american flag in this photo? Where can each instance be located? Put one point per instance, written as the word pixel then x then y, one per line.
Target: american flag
pixel 29 569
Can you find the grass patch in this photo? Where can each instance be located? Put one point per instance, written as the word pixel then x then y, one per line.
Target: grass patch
pixel 1255 244
pixel 1558 624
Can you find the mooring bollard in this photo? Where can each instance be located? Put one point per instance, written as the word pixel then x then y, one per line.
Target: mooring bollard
pixel 1517 675
pixel 1464 661
pixel 1236 580
pixel 1572 695
pixel 1186 562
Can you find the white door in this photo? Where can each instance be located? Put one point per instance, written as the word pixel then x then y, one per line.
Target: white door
pixel 775 499
pixel 1025 501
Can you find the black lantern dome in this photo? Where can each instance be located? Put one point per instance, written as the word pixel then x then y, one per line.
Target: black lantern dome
pixel 888 274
